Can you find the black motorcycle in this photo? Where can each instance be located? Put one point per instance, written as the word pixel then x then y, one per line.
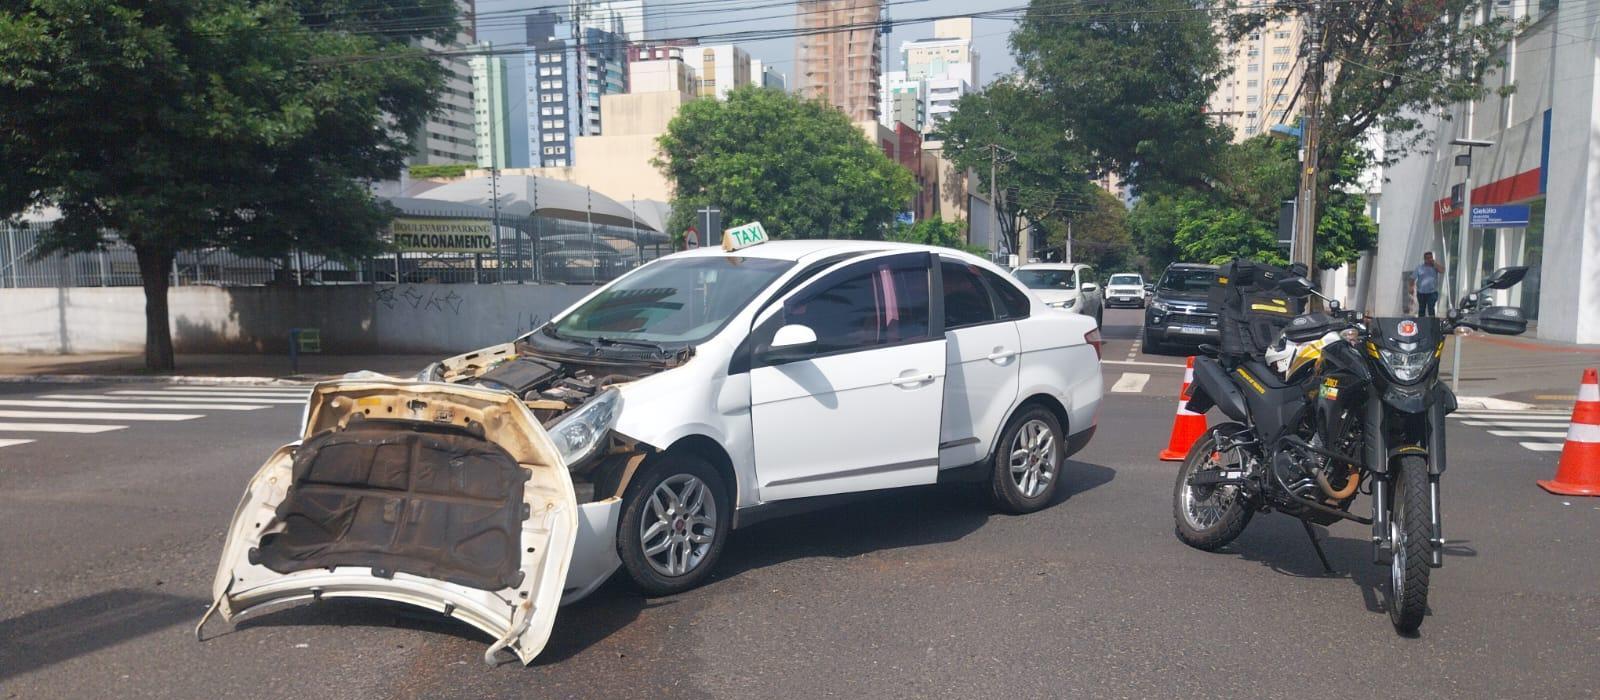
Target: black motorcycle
pixel 1363 413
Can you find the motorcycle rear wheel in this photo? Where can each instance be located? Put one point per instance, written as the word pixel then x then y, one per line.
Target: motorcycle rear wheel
pixel 1207 517
pixel 1409 525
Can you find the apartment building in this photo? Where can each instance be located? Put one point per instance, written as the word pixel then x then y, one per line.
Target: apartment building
pixel 1262 88
pixel 837 55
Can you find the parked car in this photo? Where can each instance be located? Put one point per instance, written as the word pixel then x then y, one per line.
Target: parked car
pixel 1125 289
pixel 1069 286
pixel 697 394
pixel 1179 311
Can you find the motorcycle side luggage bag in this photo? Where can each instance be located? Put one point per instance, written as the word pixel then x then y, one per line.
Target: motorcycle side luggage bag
pixel 1212 387
pixel 1251 310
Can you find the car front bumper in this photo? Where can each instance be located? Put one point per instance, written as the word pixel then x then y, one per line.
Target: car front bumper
pixel 1181 328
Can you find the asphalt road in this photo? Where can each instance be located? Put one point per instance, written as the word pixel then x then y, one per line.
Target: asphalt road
pixel 111 540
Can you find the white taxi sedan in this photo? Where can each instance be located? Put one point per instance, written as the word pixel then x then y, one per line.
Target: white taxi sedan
pixel 699 393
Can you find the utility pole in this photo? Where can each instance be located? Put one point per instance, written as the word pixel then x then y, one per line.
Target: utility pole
pixel 1302 249
pixel 994 201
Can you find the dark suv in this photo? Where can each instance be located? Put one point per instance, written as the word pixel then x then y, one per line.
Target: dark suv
pixel 1180 310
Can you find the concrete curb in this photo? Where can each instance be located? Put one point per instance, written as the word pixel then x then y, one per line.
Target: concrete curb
pixel 154 379
pixel 1490 403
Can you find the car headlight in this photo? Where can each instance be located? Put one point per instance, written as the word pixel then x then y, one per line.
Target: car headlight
pixel 1159 305
pixel 1406 366
pixel 1067 304
pixel 581 433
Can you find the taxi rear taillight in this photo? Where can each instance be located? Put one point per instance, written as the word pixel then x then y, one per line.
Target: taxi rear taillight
pixel 1093 338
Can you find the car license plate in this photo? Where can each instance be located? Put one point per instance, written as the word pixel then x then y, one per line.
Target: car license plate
pixel 1192 330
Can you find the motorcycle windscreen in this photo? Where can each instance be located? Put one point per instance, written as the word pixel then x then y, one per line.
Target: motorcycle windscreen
pixel 466 516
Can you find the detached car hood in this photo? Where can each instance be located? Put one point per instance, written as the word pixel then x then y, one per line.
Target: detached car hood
pixel 447 497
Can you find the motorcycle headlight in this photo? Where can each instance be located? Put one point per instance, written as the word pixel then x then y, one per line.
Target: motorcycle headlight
pixel 1406 366
pixel 581 433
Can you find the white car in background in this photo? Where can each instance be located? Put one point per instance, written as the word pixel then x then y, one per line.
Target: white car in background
pixel 1126 289
pixel 1068 286
pixel 694 395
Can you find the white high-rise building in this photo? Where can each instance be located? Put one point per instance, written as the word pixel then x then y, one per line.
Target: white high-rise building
pixel 719 68
pixel 946 67
pixel 489 110
pixel 448 137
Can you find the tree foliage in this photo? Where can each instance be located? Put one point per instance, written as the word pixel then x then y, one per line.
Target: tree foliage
pixel 1128 80
pixel 1101 235
pixel 182 124
pixel 1040 170
pixel 797 166
pixel 936 232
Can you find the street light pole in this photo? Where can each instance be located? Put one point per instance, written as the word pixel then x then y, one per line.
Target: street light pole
pixel 1459 273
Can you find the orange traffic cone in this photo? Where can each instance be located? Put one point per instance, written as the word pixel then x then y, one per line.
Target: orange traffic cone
pixel 1188 426
pixel 1578 473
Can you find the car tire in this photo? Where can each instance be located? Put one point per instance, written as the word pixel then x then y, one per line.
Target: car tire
pixel 1017 488
pixel 1151 345
pixel 666 505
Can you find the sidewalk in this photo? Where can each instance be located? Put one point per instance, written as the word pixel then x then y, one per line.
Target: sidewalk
pixel 1538 372
pixel 203 368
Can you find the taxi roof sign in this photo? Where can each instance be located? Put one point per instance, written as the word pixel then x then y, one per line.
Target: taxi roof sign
pixel 740 237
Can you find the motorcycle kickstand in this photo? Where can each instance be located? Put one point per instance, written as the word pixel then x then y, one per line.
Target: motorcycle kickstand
pixel 1317 546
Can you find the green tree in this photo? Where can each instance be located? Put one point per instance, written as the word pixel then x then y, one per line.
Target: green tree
pixel 1153 224
pixel 183 124
pixel 1041 172
pixel 935 231
pixel 1101 235
pixel 797 166
pixel 1128 80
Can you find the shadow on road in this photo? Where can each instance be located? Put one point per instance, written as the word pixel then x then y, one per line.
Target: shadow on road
pixel 1278 543
pixel 60 632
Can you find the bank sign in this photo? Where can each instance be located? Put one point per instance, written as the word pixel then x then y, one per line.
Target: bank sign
pixel 443 235
pixel 1502 216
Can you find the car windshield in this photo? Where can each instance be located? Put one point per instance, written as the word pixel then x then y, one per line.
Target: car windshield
pixel 1188 280
pixel 1045 279
pixel 681 301
pixel 1126 279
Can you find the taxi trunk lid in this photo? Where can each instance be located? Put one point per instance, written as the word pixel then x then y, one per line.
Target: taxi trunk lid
pixel 445 497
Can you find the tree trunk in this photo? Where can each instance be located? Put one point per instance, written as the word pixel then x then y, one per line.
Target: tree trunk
pixel 155 265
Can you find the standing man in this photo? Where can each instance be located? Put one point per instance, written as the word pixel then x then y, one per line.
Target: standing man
pixel 1427 281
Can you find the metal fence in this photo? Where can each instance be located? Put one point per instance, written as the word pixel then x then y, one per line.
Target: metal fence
pixel 543 250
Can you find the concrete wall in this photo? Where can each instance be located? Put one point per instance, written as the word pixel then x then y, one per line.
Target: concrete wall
pixel 366 319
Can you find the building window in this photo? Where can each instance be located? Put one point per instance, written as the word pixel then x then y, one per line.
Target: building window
pixel 1253 68
pixel 1281 50
pixel 1275 82
pixel 1250 115
pixel 1251 99
pixel 1283 65
pixel 1280 34
pixel 1249 131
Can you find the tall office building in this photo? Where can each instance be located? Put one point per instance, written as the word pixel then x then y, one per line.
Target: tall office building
pixel 448 136
pixel 1260 90
pixel 904 100
pixel 837 55
pixel 624 17
pixel 719 68
pixel 567 69
pixel 945 66
pixel 766 76
pixel 489 91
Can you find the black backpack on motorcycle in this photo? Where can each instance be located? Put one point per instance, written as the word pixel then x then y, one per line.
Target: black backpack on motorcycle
pixel 1251 309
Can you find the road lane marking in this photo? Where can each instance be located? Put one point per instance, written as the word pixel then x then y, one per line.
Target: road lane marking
pixel 58 428
pixel 192 394
pixel 133 401
pixel 97 415
pixel 1542 446
pixel 1516 424
pixel 8 443
pixel 1141 364
pixel 1528 433
pixel 146 406
pixel 1130 383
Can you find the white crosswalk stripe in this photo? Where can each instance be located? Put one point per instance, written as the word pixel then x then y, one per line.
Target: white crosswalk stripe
pixel 1539 430
pixel 39 417
pixel 133 400
pixel 1130 383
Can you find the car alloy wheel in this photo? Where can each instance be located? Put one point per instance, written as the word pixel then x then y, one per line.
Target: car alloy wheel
pixel 679 525
pixel 1033 458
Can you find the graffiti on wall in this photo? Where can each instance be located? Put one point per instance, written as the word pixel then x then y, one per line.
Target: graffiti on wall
pixel 419 298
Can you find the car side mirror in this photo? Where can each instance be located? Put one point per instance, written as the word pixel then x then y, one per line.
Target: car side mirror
pixel 1150 287
pixel 1090 287
pixel 792 342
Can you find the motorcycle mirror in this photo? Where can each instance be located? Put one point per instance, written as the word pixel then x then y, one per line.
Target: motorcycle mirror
pixel 1506 277
pixel 1297 286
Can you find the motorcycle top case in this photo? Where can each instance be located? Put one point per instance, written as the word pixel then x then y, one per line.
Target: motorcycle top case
pixel 1252 310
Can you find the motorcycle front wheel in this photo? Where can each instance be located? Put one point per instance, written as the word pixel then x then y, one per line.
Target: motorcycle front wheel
pixel 1207 517
pixel 1409 525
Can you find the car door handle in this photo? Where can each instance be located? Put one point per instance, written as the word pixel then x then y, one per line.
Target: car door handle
pixel 913 380
pixel 1001 356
